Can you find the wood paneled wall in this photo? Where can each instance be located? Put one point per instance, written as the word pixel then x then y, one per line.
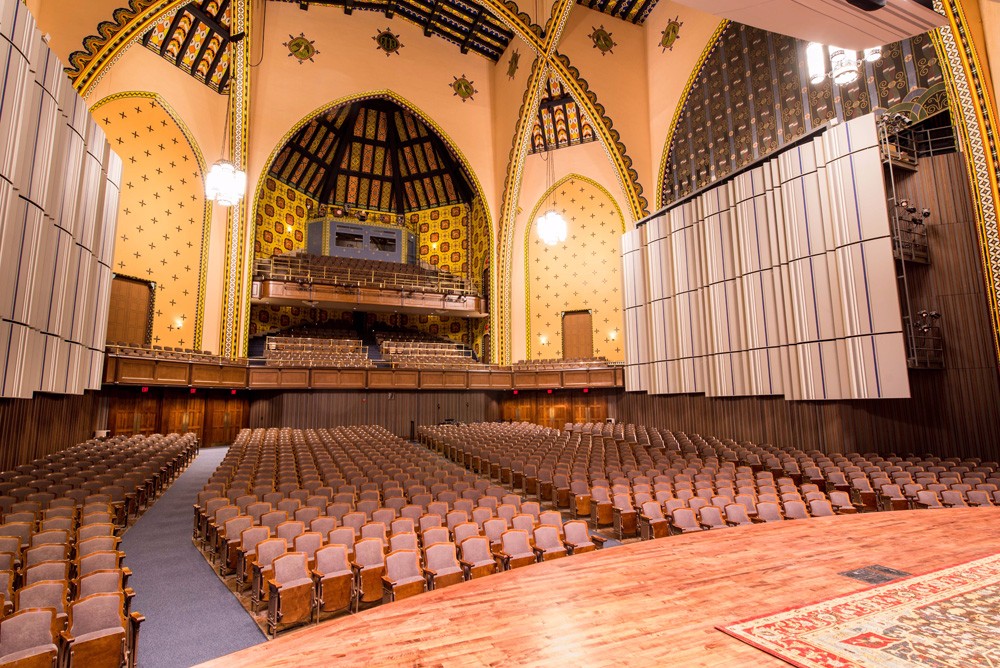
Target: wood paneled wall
pixel 558 408
pixel 33 428
pixel 954 411
pixel 393 410
pixel 215 416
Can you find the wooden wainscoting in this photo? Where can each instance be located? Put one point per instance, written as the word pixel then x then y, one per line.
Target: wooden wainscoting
pixel 396 411
pixel 214 416
pixel 33 428
pixel 556 409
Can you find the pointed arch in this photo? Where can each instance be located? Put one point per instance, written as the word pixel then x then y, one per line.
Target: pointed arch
pixel 450 143
pixel 529 227
pixel 206 214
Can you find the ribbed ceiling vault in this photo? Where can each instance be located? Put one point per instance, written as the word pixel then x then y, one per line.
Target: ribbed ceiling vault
pixel 462 22
pixel 372 154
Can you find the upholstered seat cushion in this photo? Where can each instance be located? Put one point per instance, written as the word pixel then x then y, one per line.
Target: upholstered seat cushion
pixel 407 580
pixel 101 633
pixel 27 653
pixel 296 583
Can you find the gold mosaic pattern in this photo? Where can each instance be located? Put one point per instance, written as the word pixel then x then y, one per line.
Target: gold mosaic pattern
pixel 162 211
pixel 582 273
pixel 443 237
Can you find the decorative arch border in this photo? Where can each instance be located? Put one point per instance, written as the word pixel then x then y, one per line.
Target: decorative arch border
pixel 661 173
pixel 102 50
pixel 206 226
pixel 978 129
pixel 386 94
pixel 527 236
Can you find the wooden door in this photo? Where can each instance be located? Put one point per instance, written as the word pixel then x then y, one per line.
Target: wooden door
pixel 577 335
pixel 136 414
pixel 129 317
pixel 224 417
pixel 183 413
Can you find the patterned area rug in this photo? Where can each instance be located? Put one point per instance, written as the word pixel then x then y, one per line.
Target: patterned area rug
pixel 948 618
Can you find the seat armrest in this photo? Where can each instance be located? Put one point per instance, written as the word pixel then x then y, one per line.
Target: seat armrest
pixel 429 571
pixel 318 574
pixel 598 540
pixel 137 618
pixel 539 552
pixel 386 582
pixel 464 564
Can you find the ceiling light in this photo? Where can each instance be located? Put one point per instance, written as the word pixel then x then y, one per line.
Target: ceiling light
pixel 873 54
pixel 225 184
pixel 844 65
pixel 552 227
pixel 815 62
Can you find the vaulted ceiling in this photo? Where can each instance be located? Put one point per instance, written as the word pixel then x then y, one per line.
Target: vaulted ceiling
pixel 633 11
pixel 560 122
pixel 461 22
pixel 196 39
pixel 372 154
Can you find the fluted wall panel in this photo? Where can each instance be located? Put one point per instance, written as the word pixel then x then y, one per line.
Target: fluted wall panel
pixel 779 280
pixel 59 183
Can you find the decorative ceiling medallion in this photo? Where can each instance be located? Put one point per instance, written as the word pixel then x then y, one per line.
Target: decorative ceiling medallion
pixel 515 58
pixel 463 88
pixel 671 33
pixel 388 41
pixel 602 40
pixel 301 48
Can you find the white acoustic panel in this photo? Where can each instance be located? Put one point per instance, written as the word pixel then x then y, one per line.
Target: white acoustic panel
pixel 59 191
pixel 779 280
pixel 55 365
pixel 17 25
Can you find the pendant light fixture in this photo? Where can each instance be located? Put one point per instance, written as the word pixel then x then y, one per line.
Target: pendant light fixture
pixel 225 183
pixel 551 226
pixel 845 67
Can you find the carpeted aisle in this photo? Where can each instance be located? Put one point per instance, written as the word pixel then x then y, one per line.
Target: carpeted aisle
pixel 190 615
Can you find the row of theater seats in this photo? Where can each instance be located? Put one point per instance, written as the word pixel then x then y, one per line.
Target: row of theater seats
pixel 554 364
pixel 651 482
pixel 363 512
pixel 415 349
pixel 63 584
pixel 167 353
pixel 334 351
pixel 329 270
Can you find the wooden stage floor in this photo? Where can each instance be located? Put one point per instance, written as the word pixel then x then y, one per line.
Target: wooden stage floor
pixel 653 603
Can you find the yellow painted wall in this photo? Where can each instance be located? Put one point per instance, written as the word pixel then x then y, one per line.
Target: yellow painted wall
pixel 582 273
pixel 162 211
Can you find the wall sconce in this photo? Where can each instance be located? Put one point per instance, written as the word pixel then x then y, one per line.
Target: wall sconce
pixel 613 335
pixel 543 340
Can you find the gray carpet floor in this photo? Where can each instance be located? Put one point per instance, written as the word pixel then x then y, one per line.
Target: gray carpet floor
pixel 190 615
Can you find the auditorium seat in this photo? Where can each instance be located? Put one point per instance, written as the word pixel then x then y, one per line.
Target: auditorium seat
pixel 578 539
pixel 291 592
pixel 334 579
pixel 29 638
pixel 515 550
pixel 476 558
pixel 441 566
pixel 548 543
pixel 369 567
pixel 99 634
pixel 263 568
pixel 403 576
